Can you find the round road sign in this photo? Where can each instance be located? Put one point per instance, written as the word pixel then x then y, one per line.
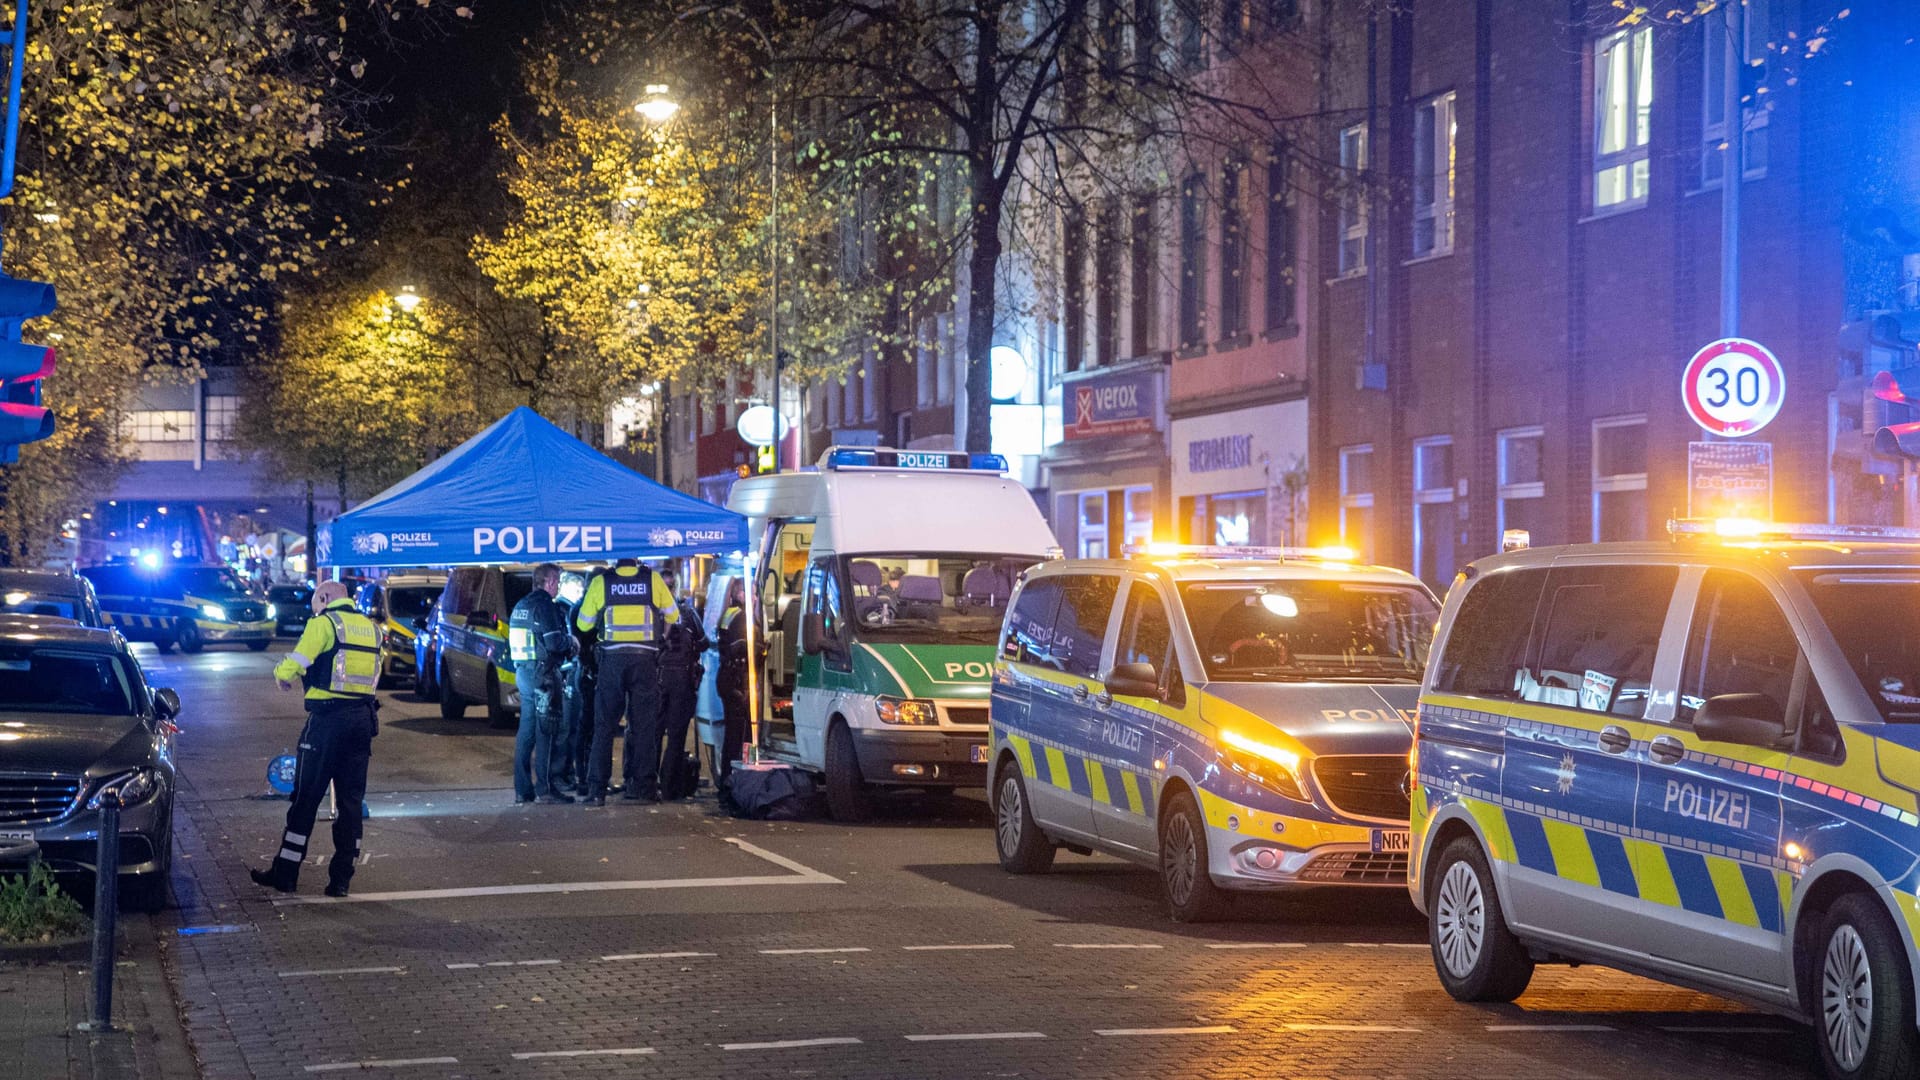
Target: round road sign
pixel 1733 387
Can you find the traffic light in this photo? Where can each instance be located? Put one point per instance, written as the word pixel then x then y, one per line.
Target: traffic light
pixel 1901 439
pixel 22 366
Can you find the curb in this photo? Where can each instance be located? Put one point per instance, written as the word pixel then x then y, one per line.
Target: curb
pixel 65 950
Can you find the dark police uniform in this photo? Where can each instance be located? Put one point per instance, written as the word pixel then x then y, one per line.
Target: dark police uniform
pixel 338 659
pixel 685 641
pixel 539 643
pixel 731 683
pixel 627 606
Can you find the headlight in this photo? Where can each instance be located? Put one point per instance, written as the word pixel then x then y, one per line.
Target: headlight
pixel 272 612
pixel 1272 767
pixel 136 786
pixel 214 612
pixel 895 710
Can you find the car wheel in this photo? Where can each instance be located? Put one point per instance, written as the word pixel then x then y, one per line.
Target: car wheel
pixel 497 713
pixel 258 646
pixel 1023 848
pixel 848 798
pixel 187 636
pixel 1477 957
pixel 452 705
pixel 1191 894
pixel 1863 1011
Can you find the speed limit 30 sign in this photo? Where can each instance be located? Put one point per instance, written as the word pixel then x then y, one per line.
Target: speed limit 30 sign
pixel 1733 387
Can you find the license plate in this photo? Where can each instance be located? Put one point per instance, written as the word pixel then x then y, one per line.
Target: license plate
pixel 979 754
pixel 1392 840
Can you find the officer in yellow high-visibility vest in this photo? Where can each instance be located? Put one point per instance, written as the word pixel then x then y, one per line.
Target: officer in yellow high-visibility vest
pixel 338 660
pixel 629 606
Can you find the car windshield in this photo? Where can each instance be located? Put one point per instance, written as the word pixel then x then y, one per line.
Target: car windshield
pixel 211 581
pixel 55 680
pixel 931 598
pixel 63 605
pixel 409 604
pixel 1876 620
pixel 1300 631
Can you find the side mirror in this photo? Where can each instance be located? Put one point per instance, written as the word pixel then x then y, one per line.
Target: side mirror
pixel 1744 719
pixel 166 703
pixel 1133 680
pixel 815 637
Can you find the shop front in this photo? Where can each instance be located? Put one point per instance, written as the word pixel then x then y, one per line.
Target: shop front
pixel 1107 477
pixel 1240 476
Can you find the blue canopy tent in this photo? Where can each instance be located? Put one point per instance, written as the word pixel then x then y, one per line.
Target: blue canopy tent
pixel 525 491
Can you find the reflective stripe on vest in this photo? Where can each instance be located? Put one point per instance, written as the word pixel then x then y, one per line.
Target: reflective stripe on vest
pixel 520 645
pixel 628 617
pixel 354 666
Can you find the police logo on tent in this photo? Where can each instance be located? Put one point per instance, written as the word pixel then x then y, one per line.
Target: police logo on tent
pixel 369 543
pixel 666 538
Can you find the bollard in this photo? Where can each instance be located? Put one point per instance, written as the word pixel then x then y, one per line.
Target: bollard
pixel 106 904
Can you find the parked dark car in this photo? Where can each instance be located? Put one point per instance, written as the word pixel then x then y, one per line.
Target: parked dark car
pixel 76 717
pixel 292 606
pixel 55 593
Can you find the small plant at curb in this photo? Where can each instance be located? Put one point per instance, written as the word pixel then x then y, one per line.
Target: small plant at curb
pixel 34 910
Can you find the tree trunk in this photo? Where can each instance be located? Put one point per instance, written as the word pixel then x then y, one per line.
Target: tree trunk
pixel 983 268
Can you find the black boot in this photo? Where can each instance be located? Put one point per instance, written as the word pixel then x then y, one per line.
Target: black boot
pixel 267 879
pixel 336 888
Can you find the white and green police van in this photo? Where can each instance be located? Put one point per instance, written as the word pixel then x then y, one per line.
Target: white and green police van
pixel 879 585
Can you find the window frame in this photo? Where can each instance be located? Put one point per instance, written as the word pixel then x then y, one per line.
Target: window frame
pixel 1431 496
pixel 1282 305
pixel 1354 209
pixel 1439 160
pixel 1636 147
pixel 1172 681
pixel 1505 489
pixel 1800 679
pixel 1754 119
pixel 1192 328
pixel 1613 483
pixel 1351 499
pixel 1235 315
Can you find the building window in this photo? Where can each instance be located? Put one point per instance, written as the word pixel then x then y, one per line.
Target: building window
pixel 1092 529
pixel 1279 242
pixel 1106 286
pixel 160 425
pixel 1434 142
pixel 869 387
pixel 1356 499
pixel 1353 201
pixel 1433 514
pixel 1713 98
pixel 1523 488
pixel 221 410
pixel 1233 519
pixel 1233 252
pixel 1193 263
pixel 1146 35
pixel 1278 15
pixel 1142 257
pixel 1073 291
pixel 1620 478
pixel 1137 526
pixel 1193 34
pixel 1622 117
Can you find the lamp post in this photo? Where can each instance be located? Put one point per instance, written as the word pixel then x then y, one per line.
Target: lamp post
pixel 407 299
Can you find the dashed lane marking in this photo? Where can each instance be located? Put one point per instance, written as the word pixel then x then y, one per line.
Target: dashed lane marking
pixel 792 1044
pixel 809 952
pixel 657 955
pixel 798 874
pixel 978 1036
pixel 1258 945
pixel 1102 945
pixel 1220 1029
pixel 384 1063
pixel 344 971
pixel 951 948
pixel 624 1051
pixel 1548 1027
pixel 501 964
pixel 1349 1027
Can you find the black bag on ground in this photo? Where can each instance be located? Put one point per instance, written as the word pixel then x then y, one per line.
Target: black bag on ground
pixel 683 778
pixel 779 793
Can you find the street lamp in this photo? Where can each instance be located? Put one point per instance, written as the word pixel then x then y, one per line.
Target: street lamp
pixel 408 299
pixel 656 107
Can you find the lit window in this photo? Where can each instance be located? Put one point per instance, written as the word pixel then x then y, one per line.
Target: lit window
pixel 1433 513
pixel 1620 478
pixel 1093 525
pixel 1356 499
pixel 222 411
pixel 1434 131
pixel 160 425
pixel 1713 98
pixel 1622 117
pixel 1523 488
pixel 1353 202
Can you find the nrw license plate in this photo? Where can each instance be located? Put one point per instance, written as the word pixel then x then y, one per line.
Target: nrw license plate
pixel 979 754
pixel 1392 840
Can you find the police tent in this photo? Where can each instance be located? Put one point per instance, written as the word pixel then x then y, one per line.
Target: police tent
pixel 525 491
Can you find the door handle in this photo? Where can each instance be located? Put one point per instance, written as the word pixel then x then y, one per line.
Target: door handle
pixel 1615 739
pixel 1080 692
pixel 1666 749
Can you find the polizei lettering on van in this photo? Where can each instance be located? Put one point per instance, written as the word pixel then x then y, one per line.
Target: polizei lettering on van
pixel 1711 804
pixel 551 540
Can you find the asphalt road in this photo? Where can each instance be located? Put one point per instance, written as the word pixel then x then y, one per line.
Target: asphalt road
pixel 489 940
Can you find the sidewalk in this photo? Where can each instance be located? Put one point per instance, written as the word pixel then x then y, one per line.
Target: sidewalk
pixel 41 1004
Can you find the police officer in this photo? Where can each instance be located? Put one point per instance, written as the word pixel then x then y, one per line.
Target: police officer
pixel 627 606
pixel 569 768
pixel 338 660
pixel 731 683
pixel 539 643
pixel 686 641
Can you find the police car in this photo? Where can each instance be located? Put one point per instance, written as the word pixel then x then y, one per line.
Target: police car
pixel 1696 760
pixel 1235 717
pixel 184 604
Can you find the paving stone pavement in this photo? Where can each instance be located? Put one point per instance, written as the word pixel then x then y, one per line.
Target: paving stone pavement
pixel 42 1004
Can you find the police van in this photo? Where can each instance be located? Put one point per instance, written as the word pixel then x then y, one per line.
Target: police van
pixel 467 663
pixel 879 588
pixel 1696 760
pixel 400 604
pixel 182 604
pixel 1237 718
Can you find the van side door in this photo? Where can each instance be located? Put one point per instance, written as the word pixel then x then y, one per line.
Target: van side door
pixel 1061 714
pixel 1120 772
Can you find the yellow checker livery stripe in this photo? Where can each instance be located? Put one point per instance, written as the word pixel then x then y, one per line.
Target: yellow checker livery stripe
pixel 1102 781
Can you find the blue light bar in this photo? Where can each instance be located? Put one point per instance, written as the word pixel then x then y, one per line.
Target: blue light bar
pixel 862 457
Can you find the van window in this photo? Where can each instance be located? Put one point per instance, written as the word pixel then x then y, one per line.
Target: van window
pixel 111 580
pixel 462 589
pixel 1029 632
pixel 1146 635
pixel 1740 643
pixel 1487 647
pixel 1599 629
pixel 823 596
pixel 1086 604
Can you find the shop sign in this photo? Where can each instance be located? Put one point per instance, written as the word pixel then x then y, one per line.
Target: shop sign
pixel 1122 403
pixel 1239 450
pixel 1730 480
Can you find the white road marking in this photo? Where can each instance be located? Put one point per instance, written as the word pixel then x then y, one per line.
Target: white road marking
pixel 1066 945
pixel 799 875
pixel 804 952
pixel 950 948
pixel 388 1063
pixel 625 1051
pixel 1704 1029
pixel 1549 1027
pixel 1348 1027
pixel 1221 1029
pixel 501 964
pixel 344 971
pixel 461 967
pixel 790 1044
pixel 1258 945
pixel 657 955
pixel 978 1036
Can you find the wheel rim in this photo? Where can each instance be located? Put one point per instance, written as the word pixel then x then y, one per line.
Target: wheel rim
pixel 1846 997
pixel 1182 859
pixel 1008 824
pixel 1460 920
